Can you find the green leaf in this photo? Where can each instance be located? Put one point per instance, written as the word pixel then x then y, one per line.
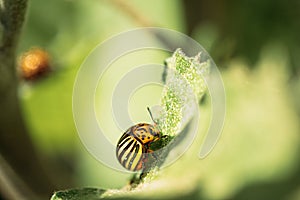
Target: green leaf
pixel 184 83
pixel 78 194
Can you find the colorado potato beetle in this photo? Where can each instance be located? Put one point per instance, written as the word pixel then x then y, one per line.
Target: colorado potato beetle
pixel 133 147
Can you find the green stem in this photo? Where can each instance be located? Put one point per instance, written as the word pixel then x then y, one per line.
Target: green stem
pixel 17 154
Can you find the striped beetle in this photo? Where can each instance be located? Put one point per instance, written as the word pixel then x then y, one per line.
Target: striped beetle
pixel 134 145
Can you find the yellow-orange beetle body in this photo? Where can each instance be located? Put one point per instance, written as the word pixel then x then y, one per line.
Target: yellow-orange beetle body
pixel 134 145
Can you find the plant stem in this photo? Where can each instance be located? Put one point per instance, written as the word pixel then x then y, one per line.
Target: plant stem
pixel 127 8
pixel 18 156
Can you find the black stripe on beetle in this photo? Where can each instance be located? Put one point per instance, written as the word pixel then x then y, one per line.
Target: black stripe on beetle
pixel 134 144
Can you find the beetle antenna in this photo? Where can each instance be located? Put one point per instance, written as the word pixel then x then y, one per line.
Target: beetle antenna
pixel 151 114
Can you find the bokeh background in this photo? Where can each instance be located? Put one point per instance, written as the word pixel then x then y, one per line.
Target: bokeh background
pixel 256 46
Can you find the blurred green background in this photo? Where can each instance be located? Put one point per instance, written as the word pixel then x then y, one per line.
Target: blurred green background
pixel 254 43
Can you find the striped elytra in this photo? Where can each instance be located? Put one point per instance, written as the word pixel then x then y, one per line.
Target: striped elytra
pixel 133 145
